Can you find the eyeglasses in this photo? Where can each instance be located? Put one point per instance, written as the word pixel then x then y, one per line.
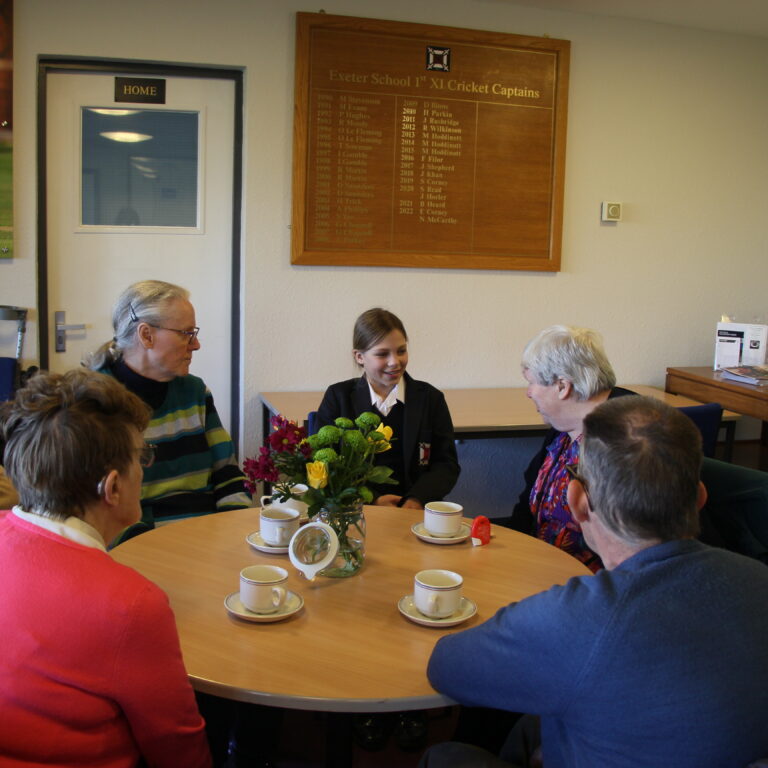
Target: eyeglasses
pixel 147 454
pixel 191 335
pixel 571 469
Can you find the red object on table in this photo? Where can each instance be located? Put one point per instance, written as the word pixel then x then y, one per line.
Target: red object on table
pixel 481 530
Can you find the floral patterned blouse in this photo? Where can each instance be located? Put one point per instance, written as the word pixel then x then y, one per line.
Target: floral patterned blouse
pixel 549 503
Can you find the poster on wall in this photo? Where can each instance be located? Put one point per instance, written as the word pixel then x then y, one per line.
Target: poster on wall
pixel 425 146
pixel 6 125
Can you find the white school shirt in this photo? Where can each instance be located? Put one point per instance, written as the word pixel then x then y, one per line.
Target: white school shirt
pixel 386 404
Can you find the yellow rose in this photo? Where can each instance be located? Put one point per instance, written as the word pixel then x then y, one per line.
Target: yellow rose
pixel 317 474
pixel 381 445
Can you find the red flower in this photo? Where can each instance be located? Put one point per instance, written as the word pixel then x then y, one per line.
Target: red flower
pixel 262 468
pixel 286 437
pixel 284 454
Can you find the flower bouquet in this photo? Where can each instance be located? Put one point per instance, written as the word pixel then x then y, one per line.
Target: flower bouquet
pixel 337 464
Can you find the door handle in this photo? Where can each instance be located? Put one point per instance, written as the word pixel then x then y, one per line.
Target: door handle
pixel 62 328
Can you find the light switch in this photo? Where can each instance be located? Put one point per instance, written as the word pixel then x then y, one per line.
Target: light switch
pixel 610 211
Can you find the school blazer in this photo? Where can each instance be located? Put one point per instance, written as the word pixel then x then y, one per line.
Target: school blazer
pixel 429 451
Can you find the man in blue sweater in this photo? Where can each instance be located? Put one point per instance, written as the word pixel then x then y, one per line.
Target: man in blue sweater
pixel 659 660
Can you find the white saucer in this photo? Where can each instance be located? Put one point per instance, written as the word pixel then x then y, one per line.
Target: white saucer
pixel 292 604
pixel 467 609
pixel 421 532
pixel 255 540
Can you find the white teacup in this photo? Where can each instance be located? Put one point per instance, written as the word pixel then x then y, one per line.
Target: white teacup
pixel 437 593
pixel 442 518
pixel 297 490
pixel 260 588
pixel 277 524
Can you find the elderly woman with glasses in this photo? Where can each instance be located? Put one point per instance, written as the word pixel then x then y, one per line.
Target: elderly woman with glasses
pixel 196 471
pixel 568 376
pixel 91 671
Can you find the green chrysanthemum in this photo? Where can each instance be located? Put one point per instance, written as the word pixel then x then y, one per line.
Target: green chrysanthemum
pixel 369 420
pixel 344 423
pixel 325 454
pixel 355 440
pixel 314 442
pixel 328 435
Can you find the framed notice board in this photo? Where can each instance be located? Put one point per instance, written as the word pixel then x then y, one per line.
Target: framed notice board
pixel 426 146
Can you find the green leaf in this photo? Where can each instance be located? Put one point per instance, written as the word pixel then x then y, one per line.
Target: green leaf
pixel 313 496
pixel 379 474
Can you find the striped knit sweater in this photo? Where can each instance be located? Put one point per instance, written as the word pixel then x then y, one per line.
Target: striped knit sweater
pixel 195 470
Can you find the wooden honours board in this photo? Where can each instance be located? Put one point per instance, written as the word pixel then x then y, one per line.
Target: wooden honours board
pixel 425 146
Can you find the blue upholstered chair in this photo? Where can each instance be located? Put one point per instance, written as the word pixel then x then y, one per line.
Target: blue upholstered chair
pixel 312 422
pixel 9 367
pixel 707 418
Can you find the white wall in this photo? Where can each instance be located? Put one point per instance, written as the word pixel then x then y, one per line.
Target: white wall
pixel 670 121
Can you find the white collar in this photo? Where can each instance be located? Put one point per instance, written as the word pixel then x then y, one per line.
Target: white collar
pixel 73 528
pixel 386 404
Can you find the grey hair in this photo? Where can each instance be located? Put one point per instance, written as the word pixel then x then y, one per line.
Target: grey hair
pixel 145 301
pixel 573 354
pixel 641 461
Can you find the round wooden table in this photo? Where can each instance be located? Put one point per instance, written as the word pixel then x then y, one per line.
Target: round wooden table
pixel 349 649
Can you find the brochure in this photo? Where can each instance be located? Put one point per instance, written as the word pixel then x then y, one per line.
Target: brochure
pixel 747 374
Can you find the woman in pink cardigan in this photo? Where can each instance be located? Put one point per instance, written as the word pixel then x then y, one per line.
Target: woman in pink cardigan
pixel 91 671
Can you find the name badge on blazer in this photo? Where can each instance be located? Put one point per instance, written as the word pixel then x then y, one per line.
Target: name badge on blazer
pixel 425 449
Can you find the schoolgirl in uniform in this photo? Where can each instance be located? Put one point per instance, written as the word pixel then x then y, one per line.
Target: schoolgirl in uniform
pixel 423 456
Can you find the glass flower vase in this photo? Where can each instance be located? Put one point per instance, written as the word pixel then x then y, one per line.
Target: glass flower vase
pixel 348 522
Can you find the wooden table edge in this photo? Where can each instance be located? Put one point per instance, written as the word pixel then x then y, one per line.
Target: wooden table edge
pixel 469 430
pixel 742 389
pixel 321 704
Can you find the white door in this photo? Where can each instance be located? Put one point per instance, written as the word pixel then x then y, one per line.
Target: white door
pixel 158 206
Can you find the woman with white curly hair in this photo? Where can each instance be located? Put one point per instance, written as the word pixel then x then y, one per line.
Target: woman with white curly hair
pixel 568 376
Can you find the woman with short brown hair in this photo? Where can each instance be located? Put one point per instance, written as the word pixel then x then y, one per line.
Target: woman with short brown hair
pixel 91 671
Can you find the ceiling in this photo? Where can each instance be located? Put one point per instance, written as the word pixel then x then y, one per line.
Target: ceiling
pixel 747 17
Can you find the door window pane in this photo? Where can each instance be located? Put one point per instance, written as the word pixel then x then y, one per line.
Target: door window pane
pixel 139 167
